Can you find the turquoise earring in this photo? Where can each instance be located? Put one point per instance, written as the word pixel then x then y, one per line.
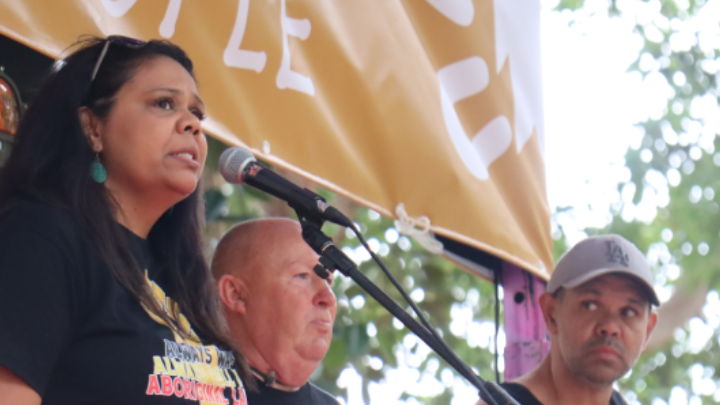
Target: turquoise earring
pixel 97 170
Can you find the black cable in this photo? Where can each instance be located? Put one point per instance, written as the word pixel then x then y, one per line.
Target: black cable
pixel 333 258
pixel 396 283
pixel 496 280
pixel 441 342
pixel 348 267
pixel 444 349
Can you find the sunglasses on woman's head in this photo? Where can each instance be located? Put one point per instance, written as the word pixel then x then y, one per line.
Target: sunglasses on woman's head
pixel 117 40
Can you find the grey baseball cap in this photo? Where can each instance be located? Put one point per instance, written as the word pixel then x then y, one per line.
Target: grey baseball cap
pixel 598 255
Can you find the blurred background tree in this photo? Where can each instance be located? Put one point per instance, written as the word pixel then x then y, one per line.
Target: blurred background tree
pixel 667 204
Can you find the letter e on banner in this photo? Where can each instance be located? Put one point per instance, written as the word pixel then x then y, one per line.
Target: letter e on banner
pixel 241 58
pixel 286 78
pixel 459 81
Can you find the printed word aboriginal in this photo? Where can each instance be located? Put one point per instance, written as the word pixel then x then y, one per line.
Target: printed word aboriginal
pixel 180 387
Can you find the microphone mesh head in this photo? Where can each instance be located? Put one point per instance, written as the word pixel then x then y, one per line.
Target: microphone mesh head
pixel 233 161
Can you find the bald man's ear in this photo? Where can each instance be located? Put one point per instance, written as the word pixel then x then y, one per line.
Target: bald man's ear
pixel 233 293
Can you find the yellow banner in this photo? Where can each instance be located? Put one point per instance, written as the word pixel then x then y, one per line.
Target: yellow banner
pixel 435 104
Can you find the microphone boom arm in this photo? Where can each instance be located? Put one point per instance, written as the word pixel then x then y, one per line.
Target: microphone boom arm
pixel 333 258
pixel 238 165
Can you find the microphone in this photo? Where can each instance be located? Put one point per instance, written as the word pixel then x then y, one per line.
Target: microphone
pixel 239 166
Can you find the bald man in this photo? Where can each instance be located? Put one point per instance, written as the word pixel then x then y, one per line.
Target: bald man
pixel 280 312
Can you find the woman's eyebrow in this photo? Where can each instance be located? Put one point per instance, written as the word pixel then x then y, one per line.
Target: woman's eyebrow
pixel 199 100
pixel 177 92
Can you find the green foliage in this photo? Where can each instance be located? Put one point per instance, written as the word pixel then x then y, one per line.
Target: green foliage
pixel 570 5
pixel 682 239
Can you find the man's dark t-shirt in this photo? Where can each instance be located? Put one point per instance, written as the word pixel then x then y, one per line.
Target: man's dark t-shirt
pixel 308 394
pixel 76 336
pixel 523 395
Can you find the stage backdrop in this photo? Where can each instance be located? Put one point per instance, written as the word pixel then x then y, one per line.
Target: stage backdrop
pixel 433 104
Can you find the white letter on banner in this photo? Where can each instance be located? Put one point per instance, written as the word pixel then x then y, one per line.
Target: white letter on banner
pixel 286 78
pixel 118 8
pixel 240 58
pixel 517 40
pixel 461 80
pixel 167 26
pixel 461 12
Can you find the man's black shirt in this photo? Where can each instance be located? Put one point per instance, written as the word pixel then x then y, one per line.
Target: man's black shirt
pixel 523 395
pixel 308 394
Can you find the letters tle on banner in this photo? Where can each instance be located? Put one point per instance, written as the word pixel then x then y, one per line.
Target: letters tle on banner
pixel 435 104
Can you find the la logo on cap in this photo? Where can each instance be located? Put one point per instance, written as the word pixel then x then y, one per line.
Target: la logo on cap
pixel 615 254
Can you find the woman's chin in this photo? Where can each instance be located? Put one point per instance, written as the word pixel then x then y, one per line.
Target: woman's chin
pixel 183 186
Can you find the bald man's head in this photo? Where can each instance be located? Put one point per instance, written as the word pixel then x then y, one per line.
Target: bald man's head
pixel 280 312
pixel 246 243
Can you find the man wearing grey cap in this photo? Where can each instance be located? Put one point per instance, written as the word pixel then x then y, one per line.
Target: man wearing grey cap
pixel 598 312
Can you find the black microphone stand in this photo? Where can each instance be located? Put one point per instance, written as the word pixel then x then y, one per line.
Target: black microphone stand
pixel 332 258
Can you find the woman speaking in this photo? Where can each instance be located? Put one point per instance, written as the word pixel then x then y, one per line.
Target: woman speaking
pixel 105 297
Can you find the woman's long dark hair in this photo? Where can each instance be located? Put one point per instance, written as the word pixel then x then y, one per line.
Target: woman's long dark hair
pixel 50 163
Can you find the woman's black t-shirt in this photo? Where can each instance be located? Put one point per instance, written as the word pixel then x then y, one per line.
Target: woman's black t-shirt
pixel 74 335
